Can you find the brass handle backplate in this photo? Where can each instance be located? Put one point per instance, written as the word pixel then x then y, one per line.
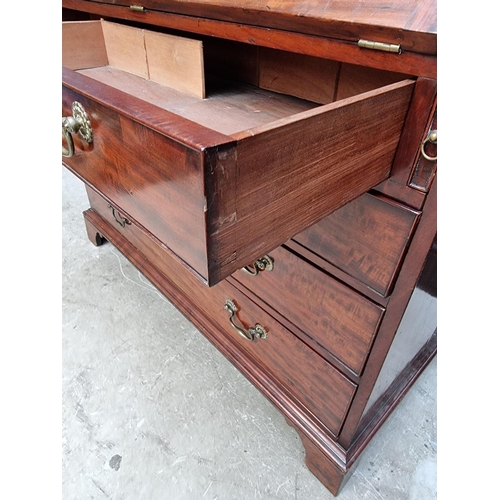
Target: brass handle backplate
pixel 432 137
pixel 78 122
pixel 263 264
pixel 253 332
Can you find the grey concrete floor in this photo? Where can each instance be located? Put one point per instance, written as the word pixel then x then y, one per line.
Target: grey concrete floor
pixel 151 410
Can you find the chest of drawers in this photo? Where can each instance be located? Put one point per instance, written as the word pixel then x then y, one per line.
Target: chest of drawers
pixel 272 172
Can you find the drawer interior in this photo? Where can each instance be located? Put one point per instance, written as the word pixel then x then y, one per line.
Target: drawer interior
pixel 245 146
pixel 226 86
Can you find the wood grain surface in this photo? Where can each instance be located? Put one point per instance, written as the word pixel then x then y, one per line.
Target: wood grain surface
pixel 332 45
pixel 154 179
pixel 297 171
pixel 125 48
pixel 310 78
pixel 83 45
pixel 297 368
pixel 331 314
pixel 176 62
pixel 412 23
pixel 203 201
pixel 205 197
pixel 227 109
pixel 367 238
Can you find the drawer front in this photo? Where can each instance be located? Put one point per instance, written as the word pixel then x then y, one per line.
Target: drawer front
pixel 200 189
pixel 156 181
pixel 332 315
pixel 304 375
pixel 366 238
pixel 316 384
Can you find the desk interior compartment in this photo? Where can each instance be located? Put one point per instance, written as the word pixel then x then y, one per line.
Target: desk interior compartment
pixel 213 153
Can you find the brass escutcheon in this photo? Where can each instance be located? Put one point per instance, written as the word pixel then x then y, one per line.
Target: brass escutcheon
pixel 78 122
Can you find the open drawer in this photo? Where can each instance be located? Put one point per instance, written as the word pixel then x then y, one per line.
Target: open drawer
pixel 220 171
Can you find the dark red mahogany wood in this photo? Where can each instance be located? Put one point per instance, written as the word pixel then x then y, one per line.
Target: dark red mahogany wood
pixel 195 188
pixel 344 323
pixel 367 238
pixel 201 204
pixel 282 355
pixel 328 47
pixel 411 23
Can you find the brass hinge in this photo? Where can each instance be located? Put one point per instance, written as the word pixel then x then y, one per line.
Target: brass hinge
pixel 386 47
pixel 137 8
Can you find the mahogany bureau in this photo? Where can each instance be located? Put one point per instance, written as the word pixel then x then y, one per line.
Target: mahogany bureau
pixel 271 168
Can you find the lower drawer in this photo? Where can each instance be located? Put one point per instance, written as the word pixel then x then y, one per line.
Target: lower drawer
pixel 301 373
pixel 333 316
pixel 367 238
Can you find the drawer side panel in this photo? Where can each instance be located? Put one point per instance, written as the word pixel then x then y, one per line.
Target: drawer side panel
pixel 308 166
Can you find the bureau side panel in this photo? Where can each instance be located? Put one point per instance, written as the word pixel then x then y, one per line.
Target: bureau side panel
pixel 417 326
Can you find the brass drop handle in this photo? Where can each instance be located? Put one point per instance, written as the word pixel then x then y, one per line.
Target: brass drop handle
pixel 263 264
pixel 78 122
pixel 432 137
pixel 119 220
pixel 250 334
